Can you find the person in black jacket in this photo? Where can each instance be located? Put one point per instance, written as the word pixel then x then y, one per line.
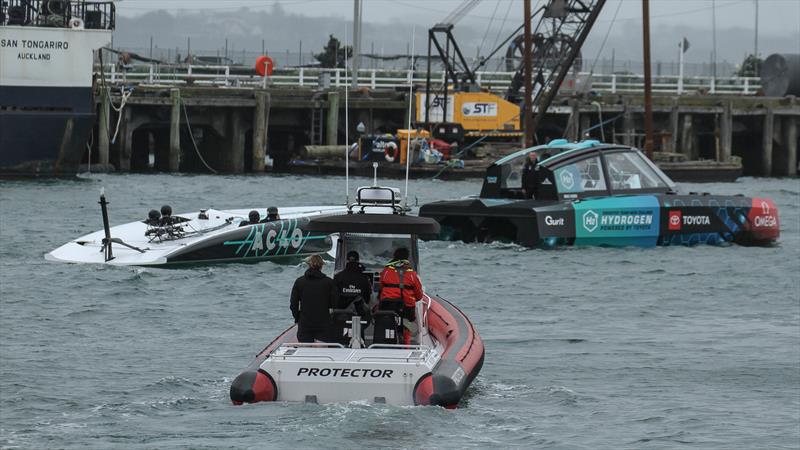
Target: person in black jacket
pixel 355 289
pixel 314 295
pixel 529 176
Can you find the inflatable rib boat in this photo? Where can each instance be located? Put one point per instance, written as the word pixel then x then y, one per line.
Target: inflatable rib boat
pixel 437 367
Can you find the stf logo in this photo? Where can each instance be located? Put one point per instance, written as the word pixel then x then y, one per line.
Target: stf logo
pixel 479 109
pixel 590 220
pixel 674 221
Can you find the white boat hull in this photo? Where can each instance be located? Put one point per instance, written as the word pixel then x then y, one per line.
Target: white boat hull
pixel 216 238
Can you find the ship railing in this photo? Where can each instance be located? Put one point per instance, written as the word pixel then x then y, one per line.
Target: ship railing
pixel 497 82
pixel 58 14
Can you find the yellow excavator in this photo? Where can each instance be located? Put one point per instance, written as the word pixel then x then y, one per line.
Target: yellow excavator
pixel 460 109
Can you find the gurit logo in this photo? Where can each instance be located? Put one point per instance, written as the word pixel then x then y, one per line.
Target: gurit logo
pixel 590 221
pixel 554 222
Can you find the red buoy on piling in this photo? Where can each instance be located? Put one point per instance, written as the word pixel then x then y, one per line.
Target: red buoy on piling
pixel 264 65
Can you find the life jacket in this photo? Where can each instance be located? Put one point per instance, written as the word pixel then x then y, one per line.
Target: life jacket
pixel 399 281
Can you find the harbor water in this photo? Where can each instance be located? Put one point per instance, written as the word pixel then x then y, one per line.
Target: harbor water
pixel 585 347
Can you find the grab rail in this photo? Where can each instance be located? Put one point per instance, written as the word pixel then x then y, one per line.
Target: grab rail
pixel 401 346
pixel 406 358
pixel 325 357
pixel 313 344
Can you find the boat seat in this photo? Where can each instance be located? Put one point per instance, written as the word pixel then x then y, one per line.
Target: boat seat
pixel 386 328
pixel 343 331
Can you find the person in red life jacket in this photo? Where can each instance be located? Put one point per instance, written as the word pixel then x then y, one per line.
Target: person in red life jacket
pixel 400 285
pixel 314 295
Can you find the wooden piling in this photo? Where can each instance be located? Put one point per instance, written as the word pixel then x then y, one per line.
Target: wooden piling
pixel 125 140
pixel 627 124
pixel 102 127
pixel 260 126
pixel 573 122
pixel 790 140
pixel 175 130
pixel 674 126
pixel 332 125
pixel 688 137
pixel 236 141
pixel 726 132
pixel 767 138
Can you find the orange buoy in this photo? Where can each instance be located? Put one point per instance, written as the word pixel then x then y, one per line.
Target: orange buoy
pixel 264 66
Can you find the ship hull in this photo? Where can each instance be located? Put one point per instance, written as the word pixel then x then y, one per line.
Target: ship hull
pixel 46 101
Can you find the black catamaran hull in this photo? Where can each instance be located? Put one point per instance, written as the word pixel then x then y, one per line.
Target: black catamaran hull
pixel 632 220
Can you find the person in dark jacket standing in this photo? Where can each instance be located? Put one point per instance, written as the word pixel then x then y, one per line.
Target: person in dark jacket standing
pixel 529 176
pixel 314 295
pixel 355 289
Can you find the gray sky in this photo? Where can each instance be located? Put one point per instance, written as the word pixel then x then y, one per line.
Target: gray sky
pixel 388 26
pixel 775 16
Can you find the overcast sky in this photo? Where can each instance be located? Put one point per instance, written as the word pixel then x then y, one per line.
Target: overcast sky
pixel 388 25
pixel 775 16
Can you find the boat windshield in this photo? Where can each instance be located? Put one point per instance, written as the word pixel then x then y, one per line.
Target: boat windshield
pixel 630 171
pixel 375 250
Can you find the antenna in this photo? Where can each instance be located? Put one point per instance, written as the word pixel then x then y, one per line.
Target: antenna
pixel 410 94
pixel 375 174
pixel 346 128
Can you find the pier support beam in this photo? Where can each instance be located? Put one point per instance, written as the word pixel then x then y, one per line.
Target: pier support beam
pixel 235 163
pixel 767 138
pixel 332 125
pixel 790 143
pixel 175 130
pixel 125 140
pixel 726 132
pixel 102 127
pixel 674 127
pixel 572 132
pixel 688 137
pixel 260 126
pixel 627 124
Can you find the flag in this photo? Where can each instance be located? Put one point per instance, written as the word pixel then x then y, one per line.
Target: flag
pixel 684 45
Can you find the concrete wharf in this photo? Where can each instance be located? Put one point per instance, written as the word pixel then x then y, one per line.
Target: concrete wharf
pixel 191 128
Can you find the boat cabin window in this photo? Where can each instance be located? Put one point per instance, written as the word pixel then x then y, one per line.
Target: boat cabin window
pixel 585 175
pixel 512 178
pixel 630 171
pixel 375 250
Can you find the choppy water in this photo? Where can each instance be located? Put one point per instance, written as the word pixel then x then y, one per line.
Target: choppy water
pixel 585 348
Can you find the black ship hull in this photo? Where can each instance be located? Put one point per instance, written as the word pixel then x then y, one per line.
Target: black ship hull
pixel 44 130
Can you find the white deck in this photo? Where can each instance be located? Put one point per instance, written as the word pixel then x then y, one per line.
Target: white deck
pixel 87 249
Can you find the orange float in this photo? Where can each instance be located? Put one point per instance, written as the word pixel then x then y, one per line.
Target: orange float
pixel 264 66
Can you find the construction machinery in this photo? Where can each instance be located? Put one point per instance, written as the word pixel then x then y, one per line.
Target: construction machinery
pixel 460 106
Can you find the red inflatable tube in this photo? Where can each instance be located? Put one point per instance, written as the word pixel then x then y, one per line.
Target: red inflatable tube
pixel 461 360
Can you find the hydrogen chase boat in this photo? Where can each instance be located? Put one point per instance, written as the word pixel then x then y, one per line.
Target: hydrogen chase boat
pixel 445 354
pixel 209 235
pixel 599 194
